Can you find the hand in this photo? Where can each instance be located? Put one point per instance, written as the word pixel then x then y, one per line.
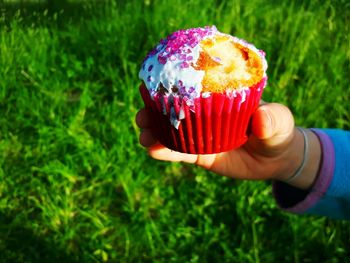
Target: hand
pixel 274 150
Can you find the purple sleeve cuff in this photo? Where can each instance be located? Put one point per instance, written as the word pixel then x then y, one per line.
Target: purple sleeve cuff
pixel 295 200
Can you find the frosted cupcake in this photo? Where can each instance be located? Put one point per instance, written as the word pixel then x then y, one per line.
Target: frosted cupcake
pixel 201 88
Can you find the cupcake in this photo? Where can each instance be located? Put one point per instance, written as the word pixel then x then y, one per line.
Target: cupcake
pixel 201 87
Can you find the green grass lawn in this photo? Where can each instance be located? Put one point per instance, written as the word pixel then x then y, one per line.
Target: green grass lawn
pixel 75 185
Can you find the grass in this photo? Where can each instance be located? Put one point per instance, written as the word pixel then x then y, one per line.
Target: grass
pixel 75 185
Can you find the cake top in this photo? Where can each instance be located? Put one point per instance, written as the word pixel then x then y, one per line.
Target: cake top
pixel 202 60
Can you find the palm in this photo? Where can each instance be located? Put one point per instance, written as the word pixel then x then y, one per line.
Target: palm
pixel 257 159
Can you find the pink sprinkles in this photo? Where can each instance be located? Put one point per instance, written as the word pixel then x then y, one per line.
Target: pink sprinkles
pixel 184 65
pixel 178 48
pixel 179 44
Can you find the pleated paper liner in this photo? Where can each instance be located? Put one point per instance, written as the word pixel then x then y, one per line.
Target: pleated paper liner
pixel 217 123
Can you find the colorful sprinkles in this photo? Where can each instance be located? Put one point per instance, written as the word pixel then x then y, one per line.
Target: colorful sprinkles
pixel 178 49
pixel 179 45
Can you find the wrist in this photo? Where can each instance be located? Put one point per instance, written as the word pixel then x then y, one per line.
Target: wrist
pixel 291 158
pixel 301 162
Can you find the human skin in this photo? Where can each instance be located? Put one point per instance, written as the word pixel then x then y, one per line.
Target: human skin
pixel 274 150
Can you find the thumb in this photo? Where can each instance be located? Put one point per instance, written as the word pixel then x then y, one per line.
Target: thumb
pixel 272 125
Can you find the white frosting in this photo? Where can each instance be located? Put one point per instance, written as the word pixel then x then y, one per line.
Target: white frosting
pixel 170 73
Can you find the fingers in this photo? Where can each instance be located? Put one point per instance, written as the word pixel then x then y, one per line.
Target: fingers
pixel 146 138
pixel 273 123
pixel 262 123
pixel 159 152
pixel 226 163
pixel 142 119
pixel 144 122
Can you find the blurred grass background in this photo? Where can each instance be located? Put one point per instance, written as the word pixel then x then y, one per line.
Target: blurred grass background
pixel 75 185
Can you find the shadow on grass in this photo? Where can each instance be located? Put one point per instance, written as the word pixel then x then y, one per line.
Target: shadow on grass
pixel 20 244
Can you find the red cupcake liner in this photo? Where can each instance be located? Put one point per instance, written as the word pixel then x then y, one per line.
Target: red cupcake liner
pixel 214 124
